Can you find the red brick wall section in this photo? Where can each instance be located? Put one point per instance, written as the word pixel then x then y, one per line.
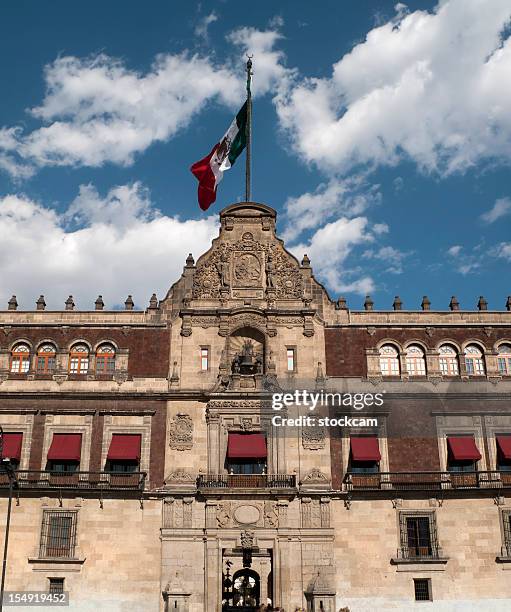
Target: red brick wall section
pixel 36 444
pixel 345 347
pixel 148 348
pixel 158 444
pixel 96 443
pixel 336 457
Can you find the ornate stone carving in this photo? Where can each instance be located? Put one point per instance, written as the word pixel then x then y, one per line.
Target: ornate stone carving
pixel 316 476
pixel 247 270
pixel 281 271
pixel 255 405
pixel 223 514
pixel 269 269
pixel 224 269
pixel 252 319
pixel 205 321
pixel 247 539
pixel 324 507
pixel 187 511
pixel 180 476
pixel 181 432
pixel 271 515
pixel 313 438
pixel 246 423
pixel 186 325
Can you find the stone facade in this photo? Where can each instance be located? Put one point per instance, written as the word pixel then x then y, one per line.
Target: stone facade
pixel 197 369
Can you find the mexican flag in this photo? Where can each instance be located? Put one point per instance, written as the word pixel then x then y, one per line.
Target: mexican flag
pixel 209 171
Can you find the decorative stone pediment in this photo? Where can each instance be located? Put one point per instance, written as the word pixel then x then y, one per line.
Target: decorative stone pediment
pixel 246 268
pixel 316 476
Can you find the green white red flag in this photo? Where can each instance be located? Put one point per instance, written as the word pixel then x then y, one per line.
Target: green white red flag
pixel 209 170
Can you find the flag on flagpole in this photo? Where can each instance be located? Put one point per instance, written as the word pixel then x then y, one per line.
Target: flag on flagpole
pixel 209 170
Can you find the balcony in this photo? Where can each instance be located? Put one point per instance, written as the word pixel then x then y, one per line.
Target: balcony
pixel 93 481
pixel 420 554
pixel 426 481
pixel 246 481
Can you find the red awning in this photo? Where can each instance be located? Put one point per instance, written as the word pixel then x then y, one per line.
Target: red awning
pixel 365 448
pixel 463 449
pixel 12 445
pixel 246 446
pixel 125 447
pixel 65 447
pixel 504 446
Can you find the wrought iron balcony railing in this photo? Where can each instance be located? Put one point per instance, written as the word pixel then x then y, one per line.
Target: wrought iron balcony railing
pixel 246 481
pixel 426 481
pixel 44 479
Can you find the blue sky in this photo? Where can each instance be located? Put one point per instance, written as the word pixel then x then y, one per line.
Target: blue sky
pixel 382 136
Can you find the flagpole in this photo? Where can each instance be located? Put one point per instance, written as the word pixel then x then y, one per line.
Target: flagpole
pixel 248 158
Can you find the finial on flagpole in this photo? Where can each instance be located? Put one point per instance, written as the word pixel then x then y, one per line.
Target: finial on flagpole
pixel 248 194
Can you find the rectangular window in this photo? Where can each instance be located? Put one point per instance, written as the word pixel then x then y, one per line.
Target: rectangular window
pixel 204 359
pixel 422 589
pixel 58 534
pixel 56 585
pixel 462 454
pixel 504 365
pixel 418 535
pixel 122 467
pixel 79 365
pixel 69 467
pixel 105 364
pixel 290 359
pixel 20 364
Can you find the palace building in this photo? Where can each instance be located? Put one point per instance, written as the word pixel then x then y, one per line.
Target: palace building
pixel 153 476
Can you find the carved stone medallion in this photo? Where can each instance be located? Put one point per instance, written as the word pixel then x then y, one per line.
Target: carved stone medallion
pixel 247 515
pixel 247 270
pixel 313 438
pixel 181 432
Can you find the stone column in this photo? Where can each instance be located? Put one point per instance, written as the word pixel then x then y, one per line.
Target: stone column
pixel 212 575
pixel 213 424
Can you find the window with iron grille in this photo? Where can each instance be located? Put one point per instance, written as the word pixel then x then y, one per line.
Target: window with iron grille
pixel 56 585
pixel 422 588
pixel 58 534
pixel 418 535
pixel 506 524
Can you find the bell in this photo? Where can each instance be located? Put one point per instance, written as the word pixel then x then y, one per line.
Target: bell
pixel 246 360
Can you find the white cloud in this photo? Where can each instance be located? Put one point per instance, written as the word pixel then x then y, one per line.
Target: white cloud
pixel 388 255
pixel 201 29
pixel 502 251
pixel 455 250
pixel 97 110
pixel 501 208
pixel 466 262
pixel 430 87
pixel 348 197
pixel 271 74
pixel 125 247
pixel 330 246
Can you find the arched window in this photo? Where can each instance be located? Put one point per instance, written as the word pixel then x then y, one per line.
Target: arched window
pixel 449 360
pixel 79 359
pixel 20 358
pixel 105 359
pixel 415 361
pixel 504 359
pixel 389 360
pixel 46 358
pixel 474 361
